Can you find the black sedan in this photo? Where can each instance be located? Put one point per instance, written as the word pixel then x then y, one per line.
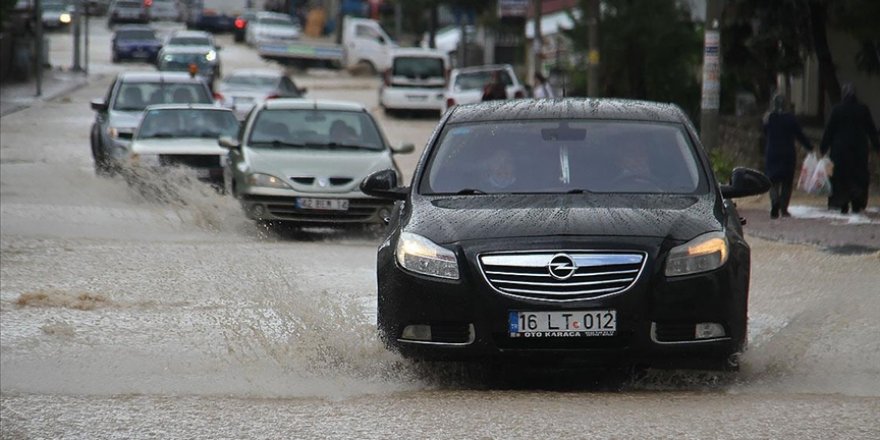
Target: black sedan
pixel 583 230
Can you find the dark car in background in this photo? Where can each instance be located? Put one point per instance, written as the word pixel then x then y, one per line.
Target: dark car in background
pixel 118 114
pixel 572 230
pixel 135 42
pixel 127 11
pixel 199 17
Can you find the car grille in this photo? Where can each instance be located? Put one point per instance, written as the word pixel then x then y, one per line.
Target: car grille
pixel 191 160
pixel 284 208
pixel 578 275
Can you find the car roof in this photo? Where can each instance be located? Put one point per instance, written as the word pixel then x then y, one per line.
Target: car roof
pixel 189 33
pixel 256 72
pixel 134 27
pixel 188 107
pixel 567 108
pixel 185 49
pixel 266 14
pixel 316 104
pixel 487 67
pixel 157 76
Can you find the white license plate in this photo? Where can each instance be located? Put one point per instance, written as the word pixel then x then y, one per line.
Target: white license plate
pixel 417 97
pixel 567 323
pixel 323 204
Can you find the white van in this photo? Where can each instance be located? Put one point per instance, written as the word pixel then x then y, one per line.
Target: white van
pixel 415 80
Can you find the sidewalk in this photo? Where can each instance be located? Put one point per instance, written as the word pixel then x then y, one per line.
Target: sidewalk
pixel 813 224
pixel 18 96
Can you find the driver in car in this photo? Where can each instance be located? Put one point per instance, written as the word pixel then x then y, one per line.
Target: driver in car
pixel 501 171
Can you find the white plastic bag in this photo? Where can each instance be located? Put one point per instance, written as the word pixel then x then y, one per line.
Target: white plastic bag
pixel 808 168
pixel 820 182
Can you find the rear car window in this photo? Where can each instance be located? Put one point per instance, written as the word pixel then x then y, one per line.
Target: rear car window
pixel 136 35
pixel 562 157
pixel 418 67
pixel 189 41
pixel 478 80
pixel 136 96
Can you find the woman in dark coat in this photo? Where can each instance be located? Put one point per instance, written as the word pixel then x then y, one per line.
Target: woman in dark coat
pixel 780 129
pixel 849 128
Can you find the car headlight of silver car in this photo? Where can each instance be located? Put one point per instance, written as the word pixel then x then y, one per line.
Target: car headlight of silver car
pixel 702 254
pixel 265 180
pixel 420 255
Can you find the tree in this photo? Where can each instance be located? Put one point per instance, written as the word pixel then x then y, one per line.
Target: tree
pixel 650 49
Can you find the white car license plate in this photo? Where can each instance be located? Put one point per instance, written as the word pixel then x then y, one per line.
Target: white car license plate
pixel 567 323
pixel 322 204
pixel 417 97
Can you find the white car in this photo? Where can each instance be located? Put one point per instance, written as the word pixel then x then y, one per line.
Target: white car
pixel 164 10
pixel 268 27
pixel 466 84
pixel 415 80
pixel 242 89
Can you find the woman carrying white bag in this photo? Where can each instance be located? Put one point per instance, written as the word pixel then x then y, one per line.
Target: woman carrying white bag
pixel 780 129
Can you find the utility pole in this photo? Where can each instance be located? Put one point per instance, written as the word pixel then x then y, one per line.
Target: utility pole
pixel 38 45
pixel 86 55
pixel 432 27
pixel 593 55
pixel 398 21
pixel 538 40
pixel 77 22
pixel 711 75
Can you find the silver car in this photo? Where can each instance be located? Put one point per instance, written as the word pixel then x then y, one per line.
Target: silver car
pixel 242 89
pixel 302 161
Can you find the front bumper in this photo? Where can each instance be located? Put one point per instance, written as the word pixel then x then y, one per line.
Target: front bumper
pixel 361 210
pixel 656 317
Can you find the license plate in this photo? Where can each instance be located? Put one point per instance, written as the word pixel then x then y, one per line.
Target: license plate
pixel 417 97
pixel 558 324
pixel 323 204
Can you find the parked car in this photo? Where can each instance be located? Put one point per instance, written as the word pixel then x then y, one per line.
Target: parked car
pixel 300 161
pixel 269 27
pixel 193 60
pixel 135 42
pixel 243 89
pixel 577 229
pixel 127 11
pixel 415 80
pixel 120 111
pixel 164 10
pixel 181 135
pixel 192 38
pixel 56 14
pixel 466 84
pixel 241 23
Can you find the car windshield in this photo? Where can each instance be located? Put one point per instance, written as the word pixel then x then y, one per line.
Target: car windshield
pixel 276 21
pixel 187 123
pixel 189 41
pixel 307 128
pixel 251 81
pixel 128 5
pixel 478 80
pixel 418 67
pixel 563 157
pixel 136 96
pixel 136 35
pixel 179 62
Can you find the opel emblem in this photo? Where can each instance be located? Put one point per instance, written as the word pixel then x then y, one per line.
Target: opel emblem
pixel 561 267
pixel 323 182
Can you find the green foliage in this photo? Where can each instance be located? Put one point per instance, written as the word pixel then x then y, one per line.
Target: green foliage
pixel 645 55
pixel 722 164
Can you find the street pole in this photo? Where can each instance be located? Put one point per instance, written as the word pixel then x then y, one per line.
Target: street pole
pixel 77 21
pixel 86 66
pixel 38 59
pixel 537 41
pixel 593 55
pixel 432 27
pixel 398 20
pixel 711 75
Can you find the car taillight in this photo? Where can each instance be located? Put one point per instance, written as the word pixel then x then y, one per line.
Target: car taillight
pixel 519 94
pixel 218 97
pixel 239 23
pixel 450 102
pixel 273 96
pixel 387 77
pixel 148 3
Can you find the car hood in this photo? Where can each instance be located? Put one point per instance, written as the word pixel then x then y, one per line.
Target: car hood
pixel 189 146
pixel 125 119
pixel 462 218
pixel 138 43
pixel 288 164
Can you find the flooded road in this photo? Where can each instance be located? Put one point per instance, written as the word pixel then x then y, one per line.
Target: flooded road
pixel 125 318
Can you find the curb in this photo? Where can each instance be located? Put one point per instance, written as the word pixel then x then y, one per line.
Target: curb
pixel 79 81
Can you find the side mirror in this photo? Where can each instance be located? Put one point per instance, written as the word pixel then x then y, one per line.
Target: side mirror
pixel 302 90
pixel 403 148
pixel 229 143
pixel 745 182
pixel 383 184
pixel 99 105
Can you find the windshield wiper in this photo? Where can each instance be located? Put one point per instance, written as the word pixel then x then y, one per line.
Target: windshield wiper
pixel 467 191
pixel 277 143
pixel 347 146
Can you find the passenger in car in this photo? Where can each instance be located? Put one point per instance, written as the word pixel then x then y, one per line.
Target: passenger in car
pixel 500 171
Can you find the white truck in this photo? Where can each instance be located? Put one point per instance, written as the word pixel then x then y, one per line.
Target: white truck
pixel 363 42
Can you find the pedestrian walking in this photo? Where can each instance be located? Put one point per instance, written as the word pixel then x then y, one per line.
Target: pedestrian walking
pixel 495 89
pixel 781 129
pixel 847 133
pixel 542 88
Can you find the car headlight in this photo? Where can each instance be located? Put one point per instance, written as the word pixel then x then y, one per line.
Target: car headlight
pixel 704 253
pixel 211 55
pixel 266 180
pixel 420 255
pixel 64 18
pixel 145 160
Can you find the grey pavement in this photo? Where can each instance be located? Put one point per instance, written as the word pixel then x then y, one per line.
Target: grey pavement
pixel 15 96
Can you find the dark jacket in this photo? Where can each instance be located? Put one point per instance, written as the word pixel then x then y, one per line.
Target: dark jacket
pixel 780 130
pixel 847 133
pixel 494 90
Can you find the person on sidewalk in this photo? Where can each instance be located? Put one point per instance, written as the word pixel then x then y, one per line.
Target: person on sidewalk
pixel 781 129
pixel 495 89
pixel 847 133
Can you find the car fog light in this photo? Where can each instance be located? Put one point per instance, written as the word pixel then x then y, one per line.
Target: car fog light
pixel 709 330
pixel 258 210
pixel 384 214
pixel 417 332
